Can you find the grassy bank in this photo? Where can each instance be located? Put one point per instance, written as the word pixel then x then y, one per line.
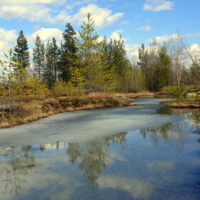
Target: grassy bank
pixel 33 110
pixel 183 104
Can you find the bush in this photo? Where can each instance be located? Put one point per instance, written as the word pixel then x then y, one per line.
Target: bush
pixel 179 92
pixel 61 88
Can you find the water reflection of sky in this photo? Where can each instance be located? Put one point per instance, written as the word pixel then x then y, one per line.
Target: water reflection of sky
pixel 160 162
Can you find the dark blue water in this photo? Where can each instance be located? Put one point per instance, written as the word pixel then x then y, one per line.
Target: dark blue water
pixel 160 162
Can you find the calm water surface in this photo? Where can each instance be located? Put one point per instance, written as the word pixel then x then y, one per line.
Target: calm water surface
pixel 153 163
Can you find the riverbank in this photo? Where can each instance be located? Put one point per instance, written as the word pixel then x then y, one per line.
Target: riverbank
pixel 30 111
pixel 87 125
pixel 183 104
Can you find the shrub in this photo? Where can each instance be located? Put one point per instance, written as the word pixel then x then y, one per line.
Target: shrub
pixel 179 92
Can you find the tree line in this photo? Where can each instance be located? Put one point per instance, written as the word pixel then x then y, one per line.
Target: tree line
pixel 84 63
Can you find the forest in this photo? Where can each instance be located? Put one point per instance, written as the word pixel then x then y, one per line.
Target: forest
pixel 83 64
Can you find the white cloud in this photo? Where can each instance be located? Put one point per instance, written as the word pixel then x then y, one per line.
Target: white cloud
pixel 40 12
pixel 10 12
pixel 132 50
pixel 32 13
pixel 9 39
pixel 20 2
pixel 124 23
pixel 101 16
pixel 119 31
pixel 116 36
pixel 193 35
pixel 45 35
pixel 145 28
pixel 161 39
pixel 158 5
pixel 137 189
pixel 194 50
pixel 83 2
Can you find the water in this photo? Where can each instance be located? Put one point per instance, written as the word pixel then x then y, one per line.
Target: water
pixel 155 162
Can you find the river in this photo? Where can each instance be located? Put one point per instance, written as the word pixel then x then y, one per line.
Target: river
pixel 141 152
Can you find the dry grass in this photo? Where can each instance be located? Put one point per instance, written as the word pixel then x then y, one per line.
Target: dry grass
pixel 97 95
pixel 142 94
pixel 33 110
pixel 186 104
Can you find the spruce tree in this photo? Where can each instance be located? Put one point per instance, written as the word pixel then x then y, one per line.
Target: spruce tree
pixel 39 57
pixel 21 51
pixel 163 69
pixel 68 53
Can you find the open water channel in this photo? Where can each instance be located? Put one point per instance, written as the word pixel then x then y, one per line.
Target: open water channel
pixel 141 152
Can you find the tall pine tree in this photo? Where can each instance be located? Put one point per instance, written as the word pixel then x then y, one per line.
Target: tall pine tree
pixel 39 57
pixel 21 51
pixel 68 53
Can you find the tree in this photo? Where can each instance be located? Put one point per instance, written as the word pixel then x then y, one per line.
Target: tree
pixel 15 81
pixel 21 51
pixel 37 88
pixel 39 57
pixel 52 58
pixel 115 54
pixel 143 63
pixel 93 66
pixel 194 74
pixel 163 69
pixel 68 53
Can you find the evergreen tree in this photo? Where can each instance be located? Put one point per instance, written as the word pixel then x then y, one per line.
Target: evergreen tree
pixel 163 69
pixel 21 51
pixel 39 57
pixel 68 53
pixel 115 54
pixel 52 58
pixel 194 73
pixel 93 66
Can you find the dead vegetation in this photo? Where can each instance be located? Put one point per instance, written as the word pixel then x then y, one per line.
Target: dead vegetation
pixel 29 111
pixel 142 94
pixel 185 104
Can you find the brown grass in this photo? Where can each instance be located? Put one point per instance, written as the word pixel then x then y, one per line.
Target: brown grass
pixel 97 95
pixel 142 94
pixel 33 110
pixel 185 104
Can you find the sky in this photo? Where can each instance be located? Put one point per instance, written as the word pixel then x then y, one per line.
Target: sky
pixel 138 21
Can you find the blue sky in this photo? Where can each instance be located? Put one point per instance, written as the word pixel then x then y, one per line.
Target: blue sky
pixel 138 21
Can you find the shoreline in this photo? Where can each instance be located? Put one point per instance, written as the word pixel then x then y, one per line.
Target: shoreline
pixel 35 110
pixel 183 104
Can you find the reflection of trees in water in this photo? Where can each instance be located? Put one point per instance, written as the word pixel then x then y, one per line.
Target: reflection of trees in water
pixel 195 117
pixel 168 132
pixel 176 130
pixel 16 165
pixel 53 146
pixel 165 110
pixel 93 155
